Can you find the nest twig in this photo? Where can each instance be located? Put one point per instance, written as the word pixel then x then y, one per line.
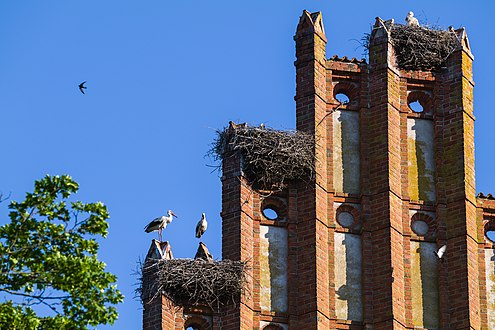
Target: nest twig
pixel 270 158
pixel 422 48
pixel 192 282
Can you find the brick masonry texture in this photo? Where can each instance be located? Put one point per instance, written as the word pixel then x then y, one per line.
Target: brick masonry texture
pixel 382 209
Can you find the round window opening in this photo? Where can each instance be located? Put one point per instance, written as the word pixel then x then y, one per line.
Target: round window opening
pixel 420 227
pixel 345 219
pixel 416 106
pixel 270 213
pixel 490 234
pixel 342 98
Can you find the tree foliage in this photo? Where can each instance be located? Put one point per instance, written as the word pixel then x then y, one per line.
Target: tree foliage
pixel 50 275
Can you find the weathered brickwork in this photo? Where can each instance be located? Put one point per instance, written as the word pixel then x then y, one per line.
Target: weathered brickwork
pixel 401 188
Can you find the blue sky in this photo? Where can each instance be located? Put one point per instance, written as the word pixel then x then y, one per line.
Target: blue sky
pixel 161 77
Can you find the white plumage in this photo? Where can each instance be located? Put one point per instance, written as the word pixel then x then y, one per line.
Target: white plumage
pixel 441 252
pixel 411 20
pixel 160 223
pixel 201 226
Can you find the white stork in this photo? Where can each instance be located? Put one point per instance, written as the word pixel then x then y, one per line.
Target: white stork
pixel 440 252
pixel 411 20
pixel 160 223
pixel 201 226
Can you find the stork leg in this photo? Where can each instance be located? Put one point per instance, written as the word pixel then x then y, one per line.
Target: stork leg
pixel 160 234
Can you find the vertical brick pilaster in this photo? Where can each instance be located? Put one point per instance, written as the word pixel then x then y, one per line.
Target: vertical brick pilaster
pixel 238 240
pixel 460 296
pixel 158 312
pixel 385 208
pixel 312 203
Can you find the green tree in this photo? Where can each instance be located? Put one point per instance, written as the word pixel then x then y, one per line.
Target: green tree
pixel 50 276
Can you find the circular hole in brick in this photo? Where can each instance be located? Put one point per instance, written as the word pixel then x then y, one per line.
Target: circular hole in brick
pixel 345 219
pixel 342 98
pixel 416 106
pixel 490 234
pixel 420 227
pixel 270 213
pixel 272 327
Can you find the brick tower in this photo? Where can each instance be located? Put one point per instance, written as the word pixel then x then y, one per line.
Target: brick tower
pixel 355 249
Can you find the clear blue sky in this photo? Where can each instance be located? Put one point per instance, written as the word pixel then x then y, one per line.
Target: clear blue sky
pixel 162 76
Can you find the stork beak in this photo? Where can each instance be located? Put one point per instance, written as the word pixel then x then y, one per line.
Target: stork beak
pixel 173 214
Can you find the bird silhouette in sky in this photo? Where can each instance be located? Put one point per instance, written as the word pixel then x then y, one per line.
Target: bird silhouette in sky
pixel 82 87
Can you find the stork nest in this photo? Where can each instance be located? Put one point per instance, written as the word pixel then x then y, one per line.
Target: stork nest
pixel 193 282
pixel 270 158
pixel 422 48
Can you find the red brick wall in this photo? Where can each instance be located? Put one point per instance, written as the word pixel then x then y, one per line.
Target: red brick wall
pixel 460 296
pixel 385 204
pixel 238 239
pixel 379 92
pixel 159 314
pixel 313 241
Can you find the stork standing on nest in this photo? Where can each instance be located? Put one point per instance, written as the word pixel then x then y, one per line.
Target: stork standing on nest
pixel 160 223
pixel 411 20
pixel 201 226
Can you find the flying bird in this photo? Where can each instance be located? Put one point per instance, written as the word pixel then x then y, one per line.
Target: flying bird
pixel 440 252
pixel 160 223
pixel 82 87
pixel 201 226
pixel 411 20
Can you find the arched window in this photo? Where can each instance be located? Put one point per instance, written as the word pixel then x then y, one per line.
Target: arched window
pixel 197 323
pixel 346 138
pixel 421 170
pixel 489 229
pixel 348 217
pixel 489 249
pixel 424 226
pixel 274 209
pixel 273 327
pixel 348 254
pixel 346 93
pixel 420 102
pixel 424 271
pixel 342 98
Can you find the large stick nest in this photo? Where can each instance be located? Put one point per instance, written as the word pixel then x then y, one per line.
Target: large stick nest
pixel 422 48
pixel 270 158
pixel 194 282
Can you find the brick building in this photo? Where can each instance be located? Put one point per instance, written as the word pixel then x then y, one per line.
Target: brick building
pixel 355 249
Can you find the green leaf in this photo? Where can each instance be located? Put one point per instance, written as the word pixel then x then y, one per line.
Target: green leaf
pixel 48 256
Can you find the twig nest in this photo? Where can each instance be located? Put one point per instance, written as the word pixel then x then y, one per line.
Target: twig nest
pixel 271 158
pixel 189 282
pixel 422 48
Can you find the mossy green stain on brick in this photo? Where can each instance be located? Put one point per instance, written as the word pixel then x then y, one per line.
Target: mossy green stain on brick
pixel 421 160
